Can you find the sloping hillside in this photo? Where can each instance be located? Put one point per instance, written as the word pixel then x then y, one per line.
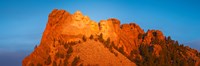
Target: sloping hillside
pixel 75 39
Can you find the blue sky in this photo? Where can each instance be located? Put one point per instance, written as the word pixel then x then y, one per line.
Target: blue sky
pixel 22 22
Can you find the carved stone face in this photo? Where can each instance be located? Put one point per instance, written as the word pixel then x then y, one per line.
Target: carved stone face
pixel 86 19
pixel 94 25
pixel 78 15
pixel 102 25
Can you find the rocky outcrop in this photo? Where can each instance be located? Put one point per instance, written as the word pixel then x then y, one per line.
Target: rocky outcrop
pixel 197 63
pixel 156 50
pixel 153 35
pixel 64 30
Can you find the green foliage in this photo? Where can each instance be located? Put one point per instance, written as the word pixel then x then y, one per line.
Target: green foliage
pixel 155 41
pixel 91 37
pixel 79 41
pixel 66 45
pixel 31 64
pixel 75 61
pixel 134 51
pixel 143 36
pixel 84 38
pixel 140 36
pixel 60 63
pixel 169 38
pixel 107 43
pixel 121 50
pixel 65 61
pixel 144 49
pixel 172 54
pixel 69 51
pixel 39 64
pixel 59 55
pixel 148 58
pixel 81 64
pixel 112 45
pixel 176 42
pixel 101 38
pixel 54 63
pixel 73 43
pixel 48 61
pixel 198 54
pixel 155 34
pixel 35 47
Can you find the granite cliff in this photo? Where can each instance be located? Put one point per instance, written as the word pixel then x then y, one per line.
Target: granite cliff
pixel 75 39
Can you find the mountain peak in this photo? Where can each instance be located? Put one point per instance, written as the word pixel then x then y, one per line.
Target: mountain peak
pixel 75 39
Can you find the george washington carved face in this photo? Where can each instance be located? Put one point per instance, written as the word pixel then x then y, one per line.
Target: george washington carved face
pixel 78 15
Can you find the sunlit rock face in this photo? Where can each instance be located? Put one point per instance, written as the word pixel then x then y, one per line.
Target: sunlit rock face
pixel 156 50
pixel 64 29
pixel 77 25
pixel 129 36
pixel 107 29
pixel 71 27
pixel 153 34
pixel 197 63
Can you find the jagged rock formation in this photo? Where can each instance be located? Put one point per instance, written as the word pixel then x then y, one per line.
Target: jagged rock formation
pixel 75 39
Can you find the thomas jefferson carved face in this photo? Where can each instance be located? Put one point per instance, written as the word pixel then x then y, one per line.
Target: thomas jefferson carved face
pixel 86 19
